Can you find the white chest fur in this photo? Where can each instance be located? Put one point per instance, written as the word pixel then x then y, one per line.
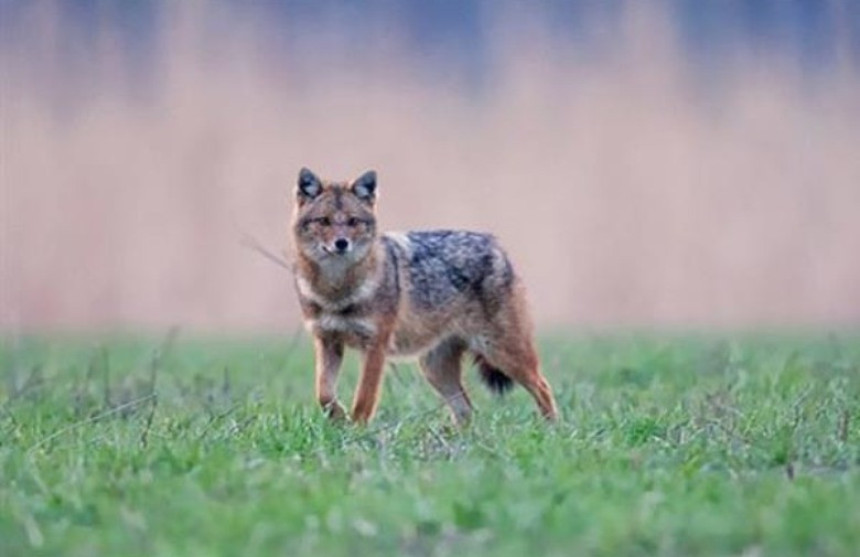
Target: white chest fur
pixel 332 323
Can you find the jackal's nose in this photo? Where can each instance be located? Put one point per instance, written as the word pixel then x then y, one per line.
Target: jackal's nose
pixel 341 245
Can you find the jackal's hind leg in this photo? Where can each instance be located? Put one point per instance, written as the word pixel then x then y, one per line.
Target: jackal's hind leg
pixel 442 368
pixel 515 356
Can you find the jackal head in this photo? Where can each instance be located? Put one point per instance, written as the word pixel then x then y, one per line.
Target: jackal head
pixel 334 221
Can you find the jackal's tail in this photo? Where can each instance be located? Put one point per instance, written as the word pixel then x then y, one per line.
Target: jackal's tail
pixel 493 378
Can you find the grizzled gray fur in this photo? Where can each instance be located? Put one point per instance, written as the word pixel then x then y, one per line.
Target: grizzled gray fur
pixel 445 264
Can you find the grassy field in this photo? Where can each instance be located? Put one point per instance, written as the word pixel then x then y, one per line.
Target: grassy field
pixel 708 445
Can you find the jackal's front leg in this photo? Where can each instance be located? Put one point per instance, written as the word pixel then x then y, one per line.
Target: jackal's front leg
pixel 329 355
pixel 367 393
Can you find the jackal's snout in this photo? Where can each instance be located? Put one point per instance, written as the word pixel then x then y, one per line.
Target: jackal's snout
pixel 341 245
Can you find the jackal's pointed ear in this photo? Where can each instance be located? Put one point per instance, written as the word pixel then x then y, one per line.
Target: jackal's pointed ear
pixel 309 186
pixel 365 187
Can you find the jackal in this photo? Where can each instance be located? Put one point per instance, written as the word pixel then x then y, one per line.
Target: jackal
pixel 437 295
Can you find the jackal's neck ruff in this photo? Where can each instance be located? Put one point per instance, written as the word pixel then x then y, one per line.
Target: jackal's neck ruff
pixel 339 281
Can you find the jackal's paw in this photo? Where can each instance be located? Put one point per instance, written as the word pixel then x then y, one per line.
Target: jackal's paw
pixel 361 414
pixel 334 411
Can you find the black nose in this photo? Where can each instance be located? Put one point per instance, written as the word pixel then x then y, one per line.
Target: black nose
pixel 341 244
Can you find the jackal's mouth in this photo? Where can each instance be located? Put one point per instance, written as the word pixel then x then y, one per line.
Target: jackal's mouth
pixel 334 252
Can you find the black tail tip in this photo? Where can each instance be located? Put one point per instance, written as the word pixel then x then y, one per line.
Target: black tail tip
pixel 495 380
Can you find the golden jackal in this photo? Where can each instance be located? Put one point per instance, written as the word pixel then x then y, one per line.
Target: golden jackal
pixel 435 294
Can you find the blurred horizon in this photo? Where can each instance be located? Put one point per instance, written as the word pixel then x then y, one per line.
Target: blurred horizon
pixel 649 164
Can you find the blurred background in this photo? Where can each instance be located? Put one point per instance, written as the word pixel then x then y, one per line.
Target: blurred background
pixel 686 163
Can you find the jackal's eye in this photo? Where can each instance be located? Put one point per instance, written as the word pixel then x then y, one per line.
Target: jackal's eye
pixel 324 221
pixel 353 222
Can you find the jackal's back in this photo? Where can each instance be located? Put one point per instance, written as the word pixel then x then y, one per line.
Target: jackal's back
pixel 444 267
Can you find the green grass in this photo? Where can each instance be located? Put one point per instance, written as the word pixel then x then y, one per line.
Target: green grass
pixel 668 445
